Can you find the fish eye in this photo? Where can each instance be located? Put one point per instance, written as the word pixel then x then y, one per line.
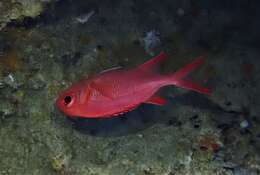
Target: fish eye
pixel 67 100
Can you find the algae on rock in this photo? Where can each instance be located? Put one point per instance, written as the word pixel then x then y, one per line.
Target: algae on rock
pixel 18 9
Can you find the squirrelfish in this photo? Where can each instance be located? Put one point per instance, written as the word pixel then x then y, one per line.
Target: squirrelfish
pixel 117 91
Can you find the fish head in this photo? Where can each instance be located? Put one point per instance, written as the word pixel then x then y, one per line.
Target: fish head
pixel 80 100
pixel 67 102
pixel 71 100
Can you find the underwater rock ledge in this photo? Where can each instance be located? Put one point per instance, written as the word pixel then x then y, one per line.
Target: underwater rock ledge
pixel 19 9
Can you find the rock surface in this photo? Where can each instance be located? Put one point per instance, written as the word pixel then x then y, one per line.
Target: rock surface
pixel 192 134
pixel 17 10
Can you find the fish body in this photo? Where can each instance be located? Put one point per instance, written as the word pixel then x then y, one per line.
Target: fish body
pixel 116 91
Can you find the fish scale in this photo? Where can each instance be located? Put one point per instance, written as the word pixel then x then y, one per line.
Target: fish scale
pixel 116 91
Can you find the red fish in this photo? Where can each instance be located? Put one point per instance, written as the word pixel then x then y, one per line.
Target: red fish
pixel 117 91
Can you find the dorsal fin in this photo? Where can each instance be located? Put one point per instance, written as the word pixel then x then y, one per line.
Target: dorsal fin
pixel 152 64
pixel 113 68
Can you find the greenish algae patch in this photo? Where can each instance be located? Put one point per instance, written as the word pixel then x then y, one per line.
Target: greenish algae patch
pixel 19 9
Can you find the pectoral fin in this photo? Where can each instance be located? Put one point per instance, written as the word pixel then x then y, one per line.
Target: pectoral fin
pixel 105 90
pixel 156 100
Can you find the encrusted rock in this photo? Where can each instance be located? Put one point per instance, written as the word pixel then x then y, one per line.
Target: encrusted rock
pixel 18 9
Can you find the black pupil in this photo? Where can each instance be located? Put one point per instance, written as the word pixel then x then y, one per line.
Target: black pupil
pixel 67 99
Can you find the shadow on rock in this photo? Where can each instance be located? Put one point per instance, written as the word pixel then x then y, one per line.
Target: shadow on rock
pixel 129 123
pixel 145 116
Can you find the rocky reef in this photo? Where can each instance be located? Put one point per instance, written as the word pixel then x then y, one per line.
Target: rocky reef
pixel 192 134
pixel 17 10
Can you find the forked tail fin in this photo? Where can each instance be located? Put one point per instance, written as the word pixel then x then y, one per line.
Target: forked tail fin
pixel 179 78
pixel 153 64
pixel 188 84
